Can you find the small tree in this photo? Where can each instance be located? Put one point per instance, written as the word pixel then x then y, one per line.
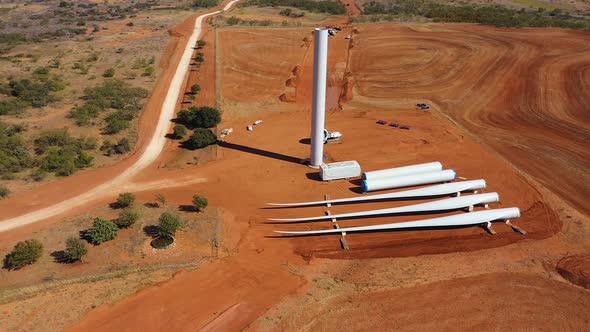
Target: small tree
pixel 101 231
pixel 127 218
pixel 207 117
pixel 125 200
pixel 109 72
pixel 200 57
pixel 201 43
pixel 4 191
pixel 161 199
pixel 195 88
pixel 24 253
pixel 169 224
pixel 179 131
pixel 200 139
pixel 75 249
pixel 200 202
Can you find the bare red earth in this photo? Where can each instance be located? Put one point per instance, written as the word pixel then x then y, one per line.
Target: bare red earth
pixel 576 269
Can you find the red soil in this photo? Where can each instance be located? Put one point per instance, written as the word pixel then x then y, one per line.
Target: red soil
pixel 524 92
pixel 500 301
pixel 576 269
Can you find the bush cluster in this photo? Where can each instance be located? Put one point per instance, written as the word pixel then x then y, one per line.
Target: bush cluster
pixel 38 91
pixel 63 154
pixel 121 147
pixel 200 138
pixel 14 154
pixel 199 117
pixel 492 15
pixel 122 99
pixel 4 191
pixel 323 6
pixel 24 253
pixel 205 3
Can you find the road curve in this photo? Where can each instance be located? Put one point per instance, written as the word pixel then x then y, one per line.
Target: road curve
pixel 149 155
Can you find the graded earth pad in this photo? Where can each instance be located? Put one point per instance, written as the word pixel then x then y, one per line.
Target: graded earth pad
pixel 524 92
pixel 499 301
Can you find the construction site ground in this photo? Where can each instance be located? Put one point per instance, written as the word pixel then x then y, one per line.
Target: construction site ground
pixel 507 105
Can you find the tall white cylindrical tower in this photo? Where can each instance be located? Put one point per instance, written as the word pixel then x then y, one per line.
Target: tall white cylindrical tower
pixel 318 102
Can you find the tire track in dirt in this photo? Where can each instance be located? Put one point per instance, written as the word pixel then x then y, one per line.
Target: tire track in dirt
pixel 522 92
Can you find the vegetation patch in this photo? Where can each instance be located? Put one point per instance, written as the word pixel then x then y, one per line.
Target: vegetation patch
pixel 199 117
pixel 491 15
pixel 14 153
pixel 37 91
pixel 322 6
pixel 62 154
pixel 120 98
pixel 24 253
pixel 200 138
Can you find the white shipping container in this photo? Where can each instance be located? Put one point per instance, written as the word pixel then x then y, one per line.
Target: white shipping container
pixel 340 170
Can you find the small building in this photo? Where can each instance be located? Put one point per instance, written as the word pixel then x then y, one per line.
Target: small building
pixel 340 170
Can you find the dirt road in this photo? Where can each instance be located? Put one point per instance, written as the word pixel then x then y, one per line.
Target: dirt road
pixel 149 154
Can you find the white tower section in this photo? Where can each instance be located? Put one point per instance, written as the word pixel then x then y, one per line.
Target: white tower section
pixel 318 102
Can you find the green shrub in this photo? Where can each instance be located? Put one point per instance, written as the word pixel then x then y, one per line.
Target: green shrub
pixel 201 43
pixel 125 200
pixel 117 122
pixel 200 57
pixel 168 224
pixel 121 147
pixel 199 139
pixel 148 71
pixel 38 91
pixel 24 253
pixel 195 88
pixel 111 94
pixel 179 131
pixel 127 218
pixel 101 231
pixel 75 249
pixel 14 153
pixel 322 6
pixel 4 191
pixel 109 72
pixel 205 3
pixel 200 202
pixel 12 106
pixel 200 117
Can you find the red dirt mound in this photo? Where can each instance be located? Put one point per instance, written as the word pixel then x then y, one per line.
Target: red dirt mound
pixel 576 269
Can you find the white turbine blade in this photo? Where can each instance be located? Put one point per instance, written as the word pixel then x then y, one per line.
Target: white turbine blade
pixel 437 190
pixel 439 205
pixel 465 219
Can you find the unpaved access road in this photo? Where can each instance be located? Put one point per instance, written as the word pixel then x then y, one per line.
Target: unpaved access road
pixel 150 153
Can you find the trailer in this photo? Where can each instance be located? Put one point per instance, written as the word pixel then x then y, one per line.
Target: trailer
pixel 340 170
